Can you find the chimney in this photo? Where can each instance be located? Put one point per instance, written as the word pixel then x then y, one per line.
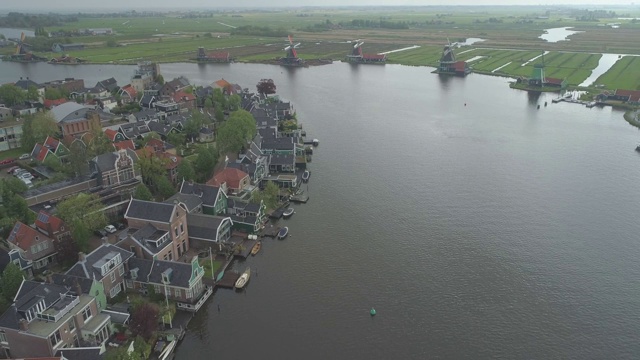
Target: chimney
pixel 49 278
pixel 24 325
pixel 78 288
pixel 81 256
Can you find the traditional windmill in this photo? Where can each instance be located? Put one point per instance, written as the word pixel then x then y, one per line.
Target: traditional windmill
pixel 291 59
pixel 22 53
pixel 21 46
pixel 357 48
pixel 357 56
pixel 449 64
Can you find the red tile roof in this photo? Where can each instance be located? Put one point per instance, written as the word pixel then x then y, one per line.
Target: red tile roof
pixel 554 81
pixel 182 96
pixel 634 95
pixel 170 161
pixel 222 83
pixel 51 103
pixel 460 65
pixel 374 56
pixel 218 55
pixel 42 154
pixel 111 134
pixel 231 176
pixel 49 223
pixel 23 236
pixel 130 90
pixel 125 144
pixel 52 143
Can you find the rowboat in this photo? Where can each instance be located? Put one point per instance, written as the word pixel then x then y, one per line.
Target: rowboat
pixel 287 213
pixel 256 248
pixel 283 233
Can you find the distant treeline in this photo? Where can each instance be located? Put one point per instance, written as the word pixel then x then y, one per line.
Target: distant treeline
pixel 20 20
pixel 260 31
pixel 375 24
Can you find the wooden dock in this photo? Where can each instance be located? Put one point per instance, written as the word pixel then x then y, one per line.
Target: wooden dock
pixel 228 280
pixel 270 231
pixel 299 198
pixel 244 249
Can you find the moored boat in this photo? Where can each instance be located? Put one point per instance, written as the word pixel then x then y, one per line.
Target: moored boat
pixel 243 279
pixel 256 248
pixel 305 175
pixel 638 148
pixel 287 213
pixel 283 232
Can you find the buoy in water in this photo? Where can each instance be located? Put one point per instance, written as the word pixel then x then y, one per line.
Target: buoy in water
pixel 372 312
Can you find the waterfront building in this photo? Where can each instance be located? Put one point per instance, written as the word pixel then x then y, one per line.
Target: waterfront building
pixel 105 264
pixel 36 248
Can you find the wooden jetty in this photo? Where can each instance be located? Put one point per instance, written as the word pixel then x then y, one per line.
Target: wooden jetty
pixel 244 250
pixel 228 280
pixel 299 198
pixel 270 231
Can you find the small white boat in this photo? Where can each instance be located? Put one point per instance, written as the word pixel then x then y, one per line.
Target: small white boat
pixel 243 279
pixel 287 213
pixel 283 232
pixel 315 142
pixel 305 175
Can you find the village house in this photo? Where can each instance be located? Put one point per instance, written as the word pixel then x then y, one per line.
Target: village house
pixel 282 163
pixel 128 94
pixel 64 48
pixel 46 318
pixel 35 247
pixel 10 130
pixel 109 84
pixel 105 264
pixel 52 226
pixel 170 88
pixel 50 147
pixel 17 258
pixel 75 119
pixel 157 230
pixel 114 136
pixel 186 101
pixel 177 281
pixel 86 286
pixel 136 130
pixel 116 168
pixel 67 85
pixel 169 159
pixel 214 200
pixel 247 216
pixel 205 230
pixel 232 179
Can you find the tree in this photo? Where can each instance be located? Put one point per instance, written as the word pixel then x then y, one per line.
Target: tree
pixel 234 102
pixel 122 353
pixel 208 104
pixel 266 87
pixel 204 164
pixel 112 43
pixel 11 280
pixel 165 187
pixel 144 320
pixel 194 124
pixel 186 171
pixel 67 250
pixel 219 100
pixel 218 114
pixel 54 94
pixel 160 79
pixel 234 133
pixel 142 193
pixel 270 196
pixel 36 128
pixel 176 139
pixel 100 143
pixel 32 93
pixel 151 168
pixel 12 95
pixel 85 209
pixel 78 158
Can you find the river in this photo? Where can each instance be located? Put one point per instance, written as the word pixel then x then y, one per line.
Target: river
pixel 477 225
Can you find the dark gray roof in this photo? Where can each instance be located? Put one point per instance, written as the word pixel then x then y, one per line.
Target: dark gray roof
pixel 161 129
pixel 134 129
pixel 150 271
pixel 146 114
pixel 117 317
pixel 108 84
pixel 267 133
pixel 25 83
pixel 150 232
pixel 203 226
pixel 206 131
pixel 207 193
pixel 11 256
pixel 107 162
pixel 149 210
pixel 244 219
pixel 9 319
pixel 286 159
pixel 70 282
pixel 85 268
pixel 83 353
pixel 189 200
pixel 147 100
pixel 265 122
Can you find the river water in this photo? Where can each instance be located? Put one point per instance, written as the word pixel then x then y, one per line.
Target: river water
pixel 477 225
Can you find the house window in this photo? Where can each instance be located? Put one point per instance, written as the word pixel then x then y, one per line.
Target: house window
pixel 55 338
pixel 189 293
pixel 113 276
pixel 176 231
pixel 181 228
pixel 156 288
pixel 72 324
pixel 121 270
pixel 178 293
pixel 115 290
pixel 3 337
pixel 129 284
pixel 86 314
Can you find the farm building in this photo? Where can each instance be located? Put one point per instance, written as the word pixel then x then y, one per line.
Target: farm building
pixel 449 65
pixel 60 48
pixel 215 57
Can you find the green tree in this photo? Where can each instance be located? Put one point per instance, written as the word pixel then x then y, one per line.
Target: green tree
pixel 204 164
pixel 54 94
pixel 12 95
pixel 36 128
pixel 234 102
pixel 151 169
pixel 176 139
pixel 160 79
pixel 270 196
pixel 194 124
pixel 218 114
pixel 67 250
pixel 208 103
pixel 32 93
pixel 266 87
pixel 121 353
pixel 78 158
pixel 81 234
pixel 100 143
pixel 186 171
pixel 83 209
pixel 11 280
pixel 165 187
pixel 234 133
pixel 142 193
pixel 219 100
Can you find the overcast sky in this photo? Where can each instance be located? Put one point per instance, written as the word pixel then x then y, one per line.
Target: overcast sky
pixel 70 5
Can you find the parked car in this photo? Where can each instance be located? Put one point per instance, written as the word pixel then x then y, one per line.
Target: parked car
pixel 101 233
pixel 25 175
pixel 24 156
pixel 19 171
pixel 7 161
pixel 27 182
pixel 12 169
pixel 110 229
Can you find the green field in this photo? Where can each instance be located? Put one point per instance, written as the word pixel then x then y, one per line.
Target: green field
pixel 623 75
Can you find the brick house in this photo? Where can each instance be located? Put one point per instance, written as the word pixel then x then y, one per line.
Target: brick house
pixel 106 264
pixel 52 226
pixel 48 317
pixel 116 168
pixel 234 180
pixel 177 281
pixel 34 246
pixel 157 230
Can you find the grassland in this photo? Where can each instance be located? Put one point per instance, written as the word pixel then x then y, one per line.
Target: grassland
pixel 511 33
